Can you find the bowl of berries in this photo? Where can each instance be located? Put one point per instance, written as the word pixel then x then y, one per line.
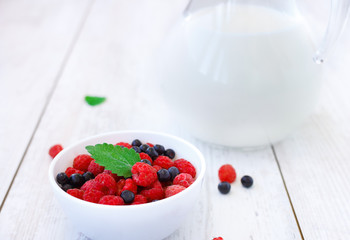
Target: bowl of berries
pixel 128 184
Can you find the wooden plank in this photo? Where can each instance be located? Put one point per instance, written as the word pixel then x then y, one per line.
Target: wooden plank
pixel 109 60
pixel 35 38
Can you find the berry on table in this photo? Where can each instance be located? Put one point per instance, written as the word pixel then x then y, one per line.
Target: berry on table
pixel 82 162
pixel 127 196
pixel 62 178
pixel 170 153
pixel 247 181
pixel 143 174
pixel 174 171
pixel 163 175
pixel 76 180
pixel 136 143
pixel 185 166
pixel 227 173
pixel 218 238
pixel 159 148
pixel 55 149
pixel 224 187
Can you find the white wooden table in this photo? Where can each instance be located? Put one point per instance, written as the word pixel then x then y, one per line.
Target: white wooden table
pixel 53 53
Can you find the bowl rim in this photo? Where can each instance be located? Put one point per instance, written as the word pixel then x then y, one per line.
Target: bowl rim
pixel 199 178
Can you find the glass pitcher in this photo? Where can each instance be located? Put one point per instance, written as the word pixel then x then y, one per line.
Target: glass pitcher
pixel 244 73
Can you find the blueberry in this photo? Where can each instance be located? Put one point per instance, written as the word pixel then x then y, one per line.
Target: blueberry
pixel 76 180
pixel 146 161
pixel 224 187
pixel 66 187
pixel 247 181
pixel 137 149
pixel 144 147
pixel 127 196
pixel 62 178
pixel 152 153
pixel 169 153
pixel 88 176
pixel 163 175
pixel 159 148
pixel 174 171
pixel 136 143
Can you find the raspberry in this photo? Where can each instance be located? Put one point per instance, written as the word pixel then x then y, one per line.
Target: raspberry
pixel 69 171
pixel 95 168
pixel 107 181
pixel 124 144
pixel 82 162
pixel 115 176
pixel 146 156
pixel 93 195
pixel 153 192
pixel 92 184
pixel 218 238
pixel 185 166
pixel 173 189
pixel 183 179
pixel 156 167
pixel 139 199
pixel 120 185
pixel 55 149
pixel 111 200
pixel 130 185
pixel 164 162
pixel 76 193
pixel 227 173
pixel 143 174
pixel 150 144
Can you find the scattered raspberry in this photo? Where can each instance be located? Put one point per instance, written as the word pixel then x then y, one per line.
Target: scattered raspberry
pixel 76 193
pixel 130 185
pixel 218 238
pixel 185 166
pixel 69 171
pixel 227 173
pixel 143 174
pixel 55 149
pixel 139 199
pixel 93 195
pixel 150 144
pixel 82 162
pixel 111 200
pixel 146 156
pixel 115 176
pixel 173 189
pixel 153 192
pixel 107 181
pixel 183 179
pixel 92 184
pixel 95 168
pixel 157 168
pixel 164 162
pixel 124 144
pixel 120 185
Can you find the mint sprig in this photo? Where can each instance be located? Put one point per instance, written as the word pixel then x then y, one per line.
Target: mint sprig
pixel 93 100
pixel 114 158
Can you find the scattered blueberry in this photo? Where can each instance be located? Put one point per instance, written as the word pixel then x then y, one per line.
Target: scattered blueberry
pixel 76 180
pixel 169 153
pixel 62 178
pixel 127 196
pixel 163 175
pixel 152 153
pixel 224 187
pixel 136 143
pixel 144 147
pixel 88 176
pixel 159 148
pixel 137 149
pixel 174 171
pixel 146 161
pixel 66 187
pixel 247 181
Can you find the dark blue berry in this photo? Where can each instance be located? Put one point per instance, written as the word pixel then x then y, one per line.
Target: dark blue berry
pixel 224 187
pixel 136 143
pixel 144 147
pixel 152 153
pixel 174 171
pixel 66 187
pixel 76 180
pixel 62 178
pixel 159 148
pixel 163 175
pixel 127 196
pixel 146 161
pixel 88 176
pixel 247 181
pixel 169 153
pixel 137 149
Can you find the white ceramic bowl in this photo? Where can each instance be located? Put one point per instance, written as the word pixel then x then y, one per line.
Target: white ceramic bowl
pixel 151 221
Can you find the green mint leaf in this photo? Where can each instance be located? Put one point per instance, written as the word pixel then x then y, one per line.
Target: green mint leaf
pixel 93 101
pixel 114 158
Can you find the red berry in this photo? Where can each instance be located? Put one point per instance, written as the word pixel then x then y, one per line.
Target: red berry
pixel 107 181
pixel 183 179
pixel 130 185
pixel 146 156
pixel 69 171
pixel 139 199
pixel 227 173
pixel 157 168
pixel 124 144
pixel 92 184
pixel 218 238
pixel 115 176
pixel 173 189
pixel 95 168
pixel 120 185
pixel 111 200
pixel 185 166
pixel 55 149
pixel 150 144
pixel 164 162
pixel 93 195
pixel 153 192
pixel 76 193
pixel 82 162
pixel 143 174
